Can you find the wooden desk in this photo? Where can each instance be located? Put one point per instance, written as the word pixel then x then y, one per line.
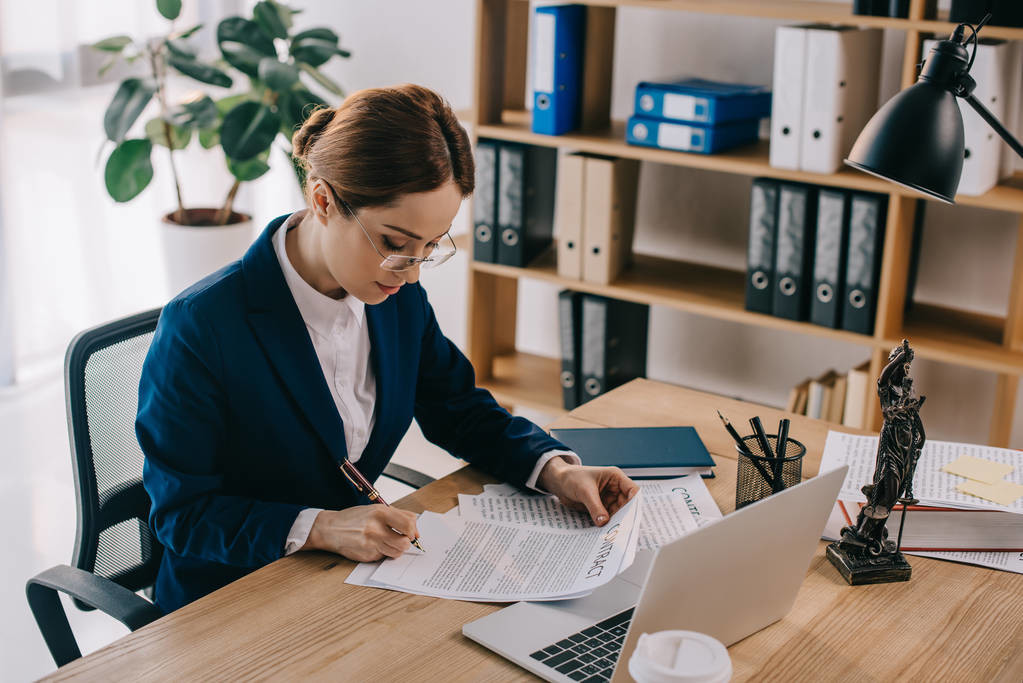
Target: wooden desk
pixel 296 618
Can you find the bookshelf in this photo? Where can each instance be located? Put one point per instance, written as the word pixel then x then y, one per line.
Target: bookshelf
pixel 990 343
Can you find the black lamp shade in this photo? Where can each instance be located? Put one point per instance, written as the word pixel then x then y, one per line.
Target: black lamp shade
pixel 916 140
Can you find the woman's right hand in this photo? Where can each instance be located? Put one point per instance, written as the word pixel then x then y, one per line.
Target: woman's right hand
pixel 364 533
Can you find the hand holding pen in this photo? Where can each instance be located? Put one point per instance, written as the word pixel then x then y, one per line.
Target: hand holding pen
pixel 363 486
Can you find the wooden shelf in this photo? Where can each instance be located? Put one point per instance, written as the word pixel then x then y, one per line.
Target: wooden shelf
pixel 943 334
pixel 959 337
pixel 705 290
pixel 528 381
pixel 499 112
pixel 804 11
pixel 751 160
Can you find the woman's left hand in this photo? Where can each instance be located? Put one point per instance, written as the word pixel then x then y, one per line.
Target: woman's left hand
pixel 600 491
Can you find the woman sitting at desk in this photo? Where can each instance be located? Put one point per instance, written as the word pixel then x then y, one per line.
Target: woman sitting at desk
pixel 319 345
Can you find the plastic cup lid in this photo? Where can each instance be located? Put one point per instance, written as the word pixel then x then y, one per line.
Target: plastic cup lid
pixel 680 657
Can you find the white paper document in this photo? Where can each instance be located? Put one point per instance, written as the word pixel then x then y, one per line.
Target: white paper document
pixel 503 562
pixel 931 485
pixel 1008 562
pixel 671 508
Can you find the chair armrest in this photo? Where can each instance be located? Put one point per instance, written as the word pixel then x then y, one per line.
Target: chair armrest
pixel 103 594
pixel 407 475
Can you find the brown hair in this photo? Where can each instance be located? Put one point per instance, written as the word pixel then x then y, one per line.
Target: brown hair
pixel 381 143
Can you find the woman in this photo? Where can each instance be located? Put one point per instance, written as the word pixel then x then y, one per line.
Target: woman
pixel 319 345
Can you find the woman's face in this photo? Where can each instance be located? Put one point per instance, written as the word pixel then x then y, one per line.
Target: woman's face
pixel 414 225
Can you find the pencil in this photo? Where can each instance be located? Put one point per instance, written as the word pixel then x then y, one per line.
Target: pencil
pixel 745 451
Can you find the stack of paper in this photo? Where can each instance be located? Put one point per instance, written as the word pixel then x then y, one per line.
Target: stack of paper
pixel 506 545
pixel 944 479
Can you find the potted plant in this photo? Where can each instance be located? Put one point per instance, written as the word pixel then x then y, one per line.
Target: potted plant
pixel 245 125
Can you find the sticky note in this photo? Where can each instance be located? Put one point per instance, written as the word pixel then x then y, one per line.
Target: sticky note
pixel 978 469
pixel 1002 492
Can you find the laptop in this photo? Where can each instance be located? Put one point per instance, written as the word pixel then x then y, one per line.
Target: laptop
pixel 728 579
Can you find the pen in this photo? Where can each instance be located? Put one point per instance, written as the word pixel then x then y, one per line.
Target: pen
pixel 782 444
pixel 363 486
pixel 745 451
pixel 758 429
pixel 765 445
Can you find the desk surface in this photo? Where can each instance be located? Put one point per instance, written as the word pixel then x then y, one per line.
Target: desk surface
pixel 297 619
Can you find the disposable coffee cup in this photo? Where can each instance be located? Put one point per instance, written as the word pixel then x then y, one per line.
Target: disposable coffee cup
pixel 680 657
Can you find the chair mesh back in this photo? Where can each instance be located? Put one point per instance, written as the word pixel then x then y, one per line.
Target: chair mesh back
pixel 111 401
pixel 104 366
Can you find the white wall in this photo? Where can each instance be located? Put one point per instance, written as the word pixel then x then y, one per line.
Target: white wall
pixel 691 214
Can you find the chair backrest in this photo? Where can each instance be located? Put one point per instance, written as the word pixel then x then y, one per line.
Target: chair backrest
pixel 101 379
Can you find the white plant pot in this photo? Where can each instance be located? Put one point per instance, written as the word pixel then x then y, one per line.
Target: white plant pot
pixel 191 252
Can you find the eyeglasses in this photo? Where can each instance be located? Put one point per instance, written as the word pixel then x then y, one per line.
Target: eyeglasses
pixel 396 262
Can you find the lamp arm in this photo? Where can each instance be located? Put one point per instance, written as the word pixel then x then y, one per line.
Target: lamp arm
pixel 995 123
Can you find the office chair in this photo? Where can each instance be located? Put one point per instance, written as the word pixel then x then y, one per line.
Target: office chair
pixel 115 554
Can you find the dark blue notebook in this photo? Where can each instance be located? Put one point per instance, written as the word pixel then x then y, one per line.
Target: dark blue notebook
pixel 641 452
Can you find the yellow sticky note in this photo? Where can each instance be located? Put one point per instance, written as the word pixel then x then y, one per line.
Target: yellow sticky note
pixel 978 469
pixel 1002 492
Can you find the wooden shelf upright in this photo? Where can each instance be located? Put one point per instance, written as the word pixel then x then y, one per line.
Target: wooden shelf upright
pixel 992 344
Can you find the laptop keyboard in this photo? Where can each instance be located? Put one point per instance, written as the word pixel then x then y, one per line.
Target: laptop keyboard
pixel 590 654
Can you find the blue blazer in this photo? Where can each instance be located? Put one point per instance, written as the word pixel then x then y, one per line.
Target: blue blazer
pixel 240 431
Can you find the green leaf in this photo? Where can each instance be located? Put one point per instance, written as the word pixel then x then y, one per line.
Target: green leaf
pixel 107 65
pixel 248 129
pixel 277 75
pixel 186 33
pixel 315 46
pixel 318 76
pixel 251 169
pixel 156 131
pixel 243 44
pixel 180 48
pixel 209 137
pixel 204 73
pixel 170 9
pixel 128 169
pixel 317 33
pixel 269 18
pixel 114 44
pixel 131 98
pixel 226 104
pixel 200 113
pixel 295 107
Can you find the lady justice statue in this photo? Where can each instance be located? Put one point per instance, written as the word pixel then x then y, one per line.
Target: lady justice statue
pixel 864 554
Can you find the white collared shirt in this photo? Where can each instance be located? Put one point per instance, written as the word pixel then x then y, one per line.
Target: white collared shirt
pixel 340 336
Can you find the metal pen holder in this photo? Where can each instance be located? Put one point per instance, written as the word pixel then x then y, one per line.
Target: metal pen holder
pixel 759 476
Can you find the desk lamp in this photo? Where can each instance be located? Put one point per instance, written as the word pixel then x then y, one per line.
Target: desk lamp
pixel 916 139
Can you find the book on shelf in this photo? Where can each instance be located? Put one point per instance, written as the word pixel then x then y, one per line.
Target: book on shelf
pixel 836 406
pixel 818 399
pixel 834 396
pixel 797 398
pixel 641 452
pixel 856 388
pixel 930 528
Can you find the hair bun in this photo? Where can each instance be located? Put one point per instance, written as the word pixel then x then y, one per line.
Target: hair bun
pixel 305 137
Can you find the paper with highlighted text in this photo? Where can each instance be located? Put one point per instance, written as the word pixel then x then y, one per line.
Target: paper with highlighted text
pixel 495 561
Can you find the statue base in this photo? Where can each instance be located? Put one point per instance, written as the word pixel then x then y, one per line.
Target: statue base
pixel 859 567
